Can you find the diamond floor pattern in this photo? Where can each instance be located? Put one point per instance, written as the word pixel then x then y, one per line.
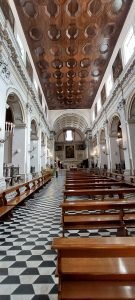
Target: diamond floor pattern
pixel 27 262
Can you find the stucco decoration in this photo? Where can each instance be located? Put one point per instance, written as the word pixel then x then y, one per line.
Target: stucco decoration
pixel 114 126
pixel 34 131
pixel 70 121
pixel 132 109
pixel 15 105
pixel 102 137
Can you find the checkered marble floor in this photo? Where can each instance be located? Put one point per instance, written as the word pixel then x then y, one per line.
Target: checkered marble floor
pixel 27 262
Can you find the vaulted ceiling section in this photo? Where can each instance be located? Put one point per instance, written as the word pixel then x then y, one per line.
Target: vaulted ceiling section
pixel 71 42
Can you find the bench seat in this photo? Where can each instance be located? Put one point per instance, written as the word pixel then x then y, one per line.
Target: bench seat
pixel 97 290
pixel 100 268
pixel 91 221
pixel 29 187
pixel 98 214
pixel 5 209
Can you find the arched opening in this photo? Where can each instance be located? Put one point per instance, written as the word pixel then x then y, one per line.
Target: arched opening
pixel 9 120
pixel 70 149
pixel 14 146
pixel 70 144
pixel 116 145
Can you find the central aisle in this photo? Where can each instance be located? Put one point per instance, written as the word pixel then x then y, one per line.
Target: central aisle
pixel 27 262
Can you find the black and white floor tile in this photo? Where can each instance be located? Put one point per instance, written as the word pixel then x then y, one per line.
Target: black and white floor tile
pixel 27 262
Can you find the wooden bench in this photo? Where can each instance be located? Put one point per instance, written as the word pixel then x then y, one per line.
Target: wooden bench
pixel 18 196
pixel 115 175
pixel 100 191
pixel 88 218
pixel 82 180
pixel 84 177
pixel 101 268
pixel 105 184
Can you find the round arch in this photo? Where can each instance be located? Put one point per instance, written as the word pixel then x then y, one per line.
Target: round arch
pixel 15 100
pixel 34 129
pixel 114 123
pixel 131 109
pixel 70 121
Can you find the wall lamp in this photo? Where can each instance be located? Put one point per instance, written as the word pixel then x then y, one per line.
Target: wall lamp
pixel 42 155
pixel 34 147
pixel 104 150
pixel 17 151
pixel 119 141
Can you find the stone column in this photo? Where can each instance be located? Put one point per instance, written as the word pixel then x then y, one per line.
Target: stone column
pixel 2 140
pixel 125 137
pixel 28 174
pixel 102 156
pixel 52 148
pixel 45 150
pixel 114 152
pixel 43 153
pixel 48 152
pixel 108 146
pixel 34 154
pixel 19 148
pixel 4 81
pixel 39 151
pixel 89 145
pixel 131 134
pixel 98 149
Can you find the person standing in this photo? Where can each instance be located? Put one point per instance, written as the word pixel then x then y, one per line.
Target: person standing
pixel 57 170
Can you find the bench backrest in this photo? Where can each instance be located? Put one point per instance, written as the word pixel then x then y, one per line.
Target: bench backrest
pixel 95 247
pixel 90 192
pixel 97 205
pixel 37 182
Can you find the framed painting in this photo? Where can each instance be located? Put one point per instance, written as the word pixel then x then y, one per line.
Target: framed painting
pixel 69 151
pixel 117 66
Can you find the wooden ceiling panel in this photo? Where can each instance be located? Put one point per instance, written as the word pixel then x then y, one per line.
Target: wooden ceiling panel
pixel 71 42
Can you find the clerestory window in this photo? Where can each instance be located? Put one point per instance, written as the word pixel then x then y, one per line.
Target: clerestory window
pixel 69 136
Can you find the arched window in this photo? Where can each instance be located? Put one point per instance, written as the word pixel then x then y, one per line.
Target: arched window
pixel 69 136
pixel 129 45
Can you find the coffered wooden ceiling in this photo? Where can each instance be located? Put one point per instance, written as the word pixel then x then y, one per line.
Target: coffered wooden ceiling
pixel 71 42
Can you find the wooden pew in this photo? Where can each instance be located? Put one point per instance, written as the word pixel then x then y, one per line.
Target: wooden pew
pixel 87 218
pixel 99 191
pixel 84 176
pixel 68 181
pixel 105 184
pixel 18 196
pixel 101 268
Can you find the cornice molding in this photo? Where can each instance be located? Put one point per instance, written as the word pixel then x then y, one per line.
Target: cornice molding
pixel 122 83
pixel 7 40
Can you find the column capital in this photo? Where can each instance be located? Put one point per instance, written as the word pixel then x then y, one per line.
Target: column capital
pixel 52 134
pixel 88 133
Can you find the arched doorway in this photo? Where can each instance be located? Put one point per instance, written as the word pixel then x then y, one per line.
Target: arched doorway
pixel 9 120
pixel 15 130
